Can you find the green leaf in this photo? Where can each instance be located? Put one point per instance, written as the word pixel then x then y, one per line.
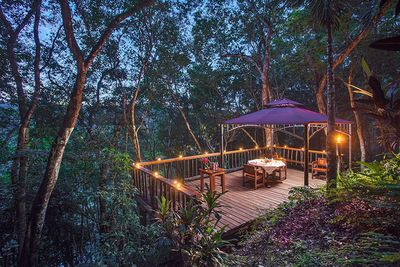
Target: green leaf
pixel 365 67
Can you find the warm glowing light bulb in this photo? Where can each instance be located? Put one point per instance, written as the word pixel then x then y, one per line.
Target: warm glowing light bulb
pixel 159 159
pixel 240 148
pixel 180 156
pixel 224 150
pixel 178 185
pixel 256 147
pixel 338 139
pixel 285 146
pixel 175 182
pixel 324 150
pixel 137 165
pixel 206 152
pixel 156 173
pixel 302 148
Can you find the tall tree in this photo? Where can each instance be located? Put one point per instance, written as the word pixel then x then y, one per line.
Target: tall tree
pixel 264 14
pixel 182 112
pixel 19 167
pixel 357 115
pixel 327 13
pixel 146 44
pixel 83 63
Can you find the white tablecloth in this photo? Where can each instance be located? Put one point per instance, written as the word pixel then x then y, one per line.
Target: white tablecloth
pixel 267 166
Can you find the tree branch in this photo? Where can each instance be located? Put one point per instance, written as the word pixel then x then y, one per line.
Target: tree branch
pixel 110 28
pixel 247 58
pixel 69 32
pixel 36 64
pixel 53 44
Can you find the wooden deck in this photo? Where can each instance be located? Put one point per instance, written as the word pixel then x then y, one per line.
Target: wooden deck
pixel 243 205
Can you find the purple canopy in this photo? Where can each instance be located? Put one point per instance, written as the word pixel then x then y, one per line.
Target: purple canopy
pixel 283 111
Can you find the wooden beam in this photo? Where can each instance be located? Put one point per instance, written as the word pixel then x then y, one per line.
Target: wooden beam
pixel 221 159
pixel 306 148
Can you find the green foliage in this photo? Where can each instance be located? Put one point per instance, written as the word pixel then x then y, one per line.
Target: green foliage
pixel 126 240
pixel 355 225
pixel 378 183
pixel 193 230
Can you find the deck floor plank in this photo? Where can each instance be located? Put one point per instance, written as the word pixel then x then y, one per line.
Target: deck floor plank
pixel 242 204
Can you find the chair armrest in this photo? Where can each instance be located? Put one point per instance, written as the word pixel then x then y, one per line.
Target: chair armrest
pixel 314 164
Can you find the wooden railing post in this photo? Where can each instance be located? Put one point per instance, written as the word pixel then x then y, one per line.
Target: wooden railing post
pixel 221 148
pixel 183 168
pixel 306 147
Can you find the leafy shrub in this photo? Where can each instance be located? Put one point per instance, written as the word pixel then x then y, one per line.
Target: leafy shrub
pixel 355 225
pixel 126 240
pixel 193 230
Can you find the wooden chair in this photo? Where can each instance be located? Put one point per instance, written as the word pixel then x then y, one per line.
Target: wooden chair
pixel 319 166
pixel 277 174
pixel 253 173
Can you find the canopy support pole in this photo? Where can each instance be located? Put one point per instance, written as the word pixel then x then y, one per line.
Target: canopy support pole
pixel 306 147
pixel 350 139
pixel 221 159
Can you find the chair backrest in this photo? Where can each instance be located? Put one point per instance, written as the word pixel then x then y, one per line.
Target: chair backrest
pixel 250 169
pixel 322 162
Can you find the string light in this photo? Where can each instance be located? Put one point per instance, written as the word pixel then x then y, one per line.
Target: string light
pixel 240 148
pixel 159 159
pixel 175 182
pixel 285 146
pixel 323 151
pixel 156 174
pixel 206 153
pixel 137 165
pixel 256 147
pixel 180 156
pixel 302 148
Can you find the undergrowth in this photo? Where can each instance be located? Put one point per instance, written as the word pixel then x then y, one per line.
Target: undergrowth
pixel 355 225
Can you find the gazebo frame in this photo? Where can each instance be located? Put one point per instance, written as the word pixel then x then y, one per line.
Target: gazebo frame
pixel 310 129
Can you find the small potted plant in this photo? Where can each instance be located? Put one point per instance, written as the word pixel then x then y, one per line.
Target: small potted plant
pixel 206 163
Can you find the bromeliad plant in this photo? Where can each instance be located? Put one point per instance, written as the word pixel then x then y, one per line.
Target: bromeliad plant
pixel 193 230
pixel 383 104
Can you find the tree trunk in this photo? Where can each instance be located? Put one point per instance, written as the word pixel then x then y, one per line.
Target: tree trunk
pixel 23 136
pixel 134 132
pixel 22 163
pixel 29 254
pixel 189 128
pixel 319 96
pixel 19 168
pixel 357 117
pixel 330 139
pixel 41 201
pixel 266 92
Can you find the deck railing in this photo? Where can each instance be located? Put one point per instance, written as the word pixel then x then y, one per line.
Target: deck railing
pixel 182 168
pixel 295 156
pixel 152 186
pixel 166 177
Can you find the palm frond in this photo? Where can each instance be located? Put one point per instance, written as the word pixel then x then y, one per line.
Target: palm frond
pixel 359 90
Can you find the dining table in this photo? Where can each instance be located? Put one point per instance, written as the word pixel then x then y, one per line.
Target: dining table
pixel 270 165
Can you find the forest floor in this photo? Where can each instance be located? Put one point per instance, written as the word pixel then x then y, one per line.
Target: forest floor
pixel 356 225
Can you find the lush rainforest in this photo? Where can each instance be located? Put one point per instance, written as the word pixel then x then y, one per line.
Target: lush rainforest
pixel 87 87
